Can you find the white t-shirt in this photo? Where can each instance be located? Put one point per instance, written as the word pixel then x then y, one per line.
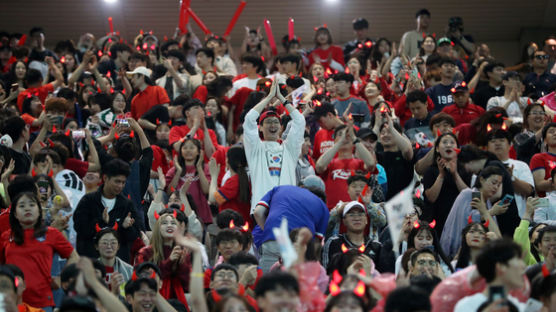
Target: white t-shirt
pixel 244 82
pixel 522 172
pixel 108 203
pixel 514 109
pixel 472 303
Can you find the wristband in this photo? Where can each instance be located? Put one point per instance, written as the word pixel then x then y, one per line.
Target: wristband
pixel 356 141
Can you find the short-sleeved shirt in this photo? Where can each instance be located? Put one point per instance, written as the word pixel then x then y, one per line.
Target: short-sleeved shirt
pixel 323 142
pixel 546 161
pixel 441 96
pixel 398 171
pixel 176 133
pixel 227 197
pixel 335 179
pixel 34 258
pixel 144 100
pixel 358 106
pixel 40 92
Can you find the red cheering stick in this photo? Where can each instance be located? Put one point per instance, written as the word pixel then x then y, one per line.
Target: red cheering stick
pixel 198 21
pixel 111 25
pixel 232 23
pixel 291 33
pixel 22 40
pixel 184 16
pixel 270 36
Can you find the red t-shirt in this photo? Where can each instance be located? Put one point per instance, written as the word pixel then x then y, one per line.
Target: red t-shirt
pixel 201 93
pixel 544 161
pixel 176 133
pixel 34 258
pixel 41 92
pixel 335 179
pixel 334 53
pixel 220 157
pixel 144 100
pixel 159 159
pixel 464 115
pixel 227 197
pixel 29 121
pixel 238 100
pixel 323 142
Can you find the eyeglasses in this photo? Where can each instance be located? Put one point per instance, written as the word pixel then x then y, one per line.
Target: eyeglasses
pixel 431 263
pixel 542 57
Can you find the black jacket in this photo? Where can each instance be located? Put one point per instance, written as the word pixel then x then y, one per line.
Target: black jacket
pixel 89 212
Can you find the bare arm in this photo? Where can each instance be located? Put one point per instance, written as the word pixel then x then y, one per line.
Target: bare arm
pixel 260 215
pixel 139 131
pixel 214 171
pixel 325 159
pixel 401 141
pixel 79 70
pixel 424 163
pixel 145 124
pixel 94 164
pixel 55 71
pixel 201 172
pixel 542 185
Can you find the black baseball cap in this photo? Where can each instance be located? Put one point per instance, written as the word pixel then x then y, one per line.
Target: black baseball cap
pixel 365 133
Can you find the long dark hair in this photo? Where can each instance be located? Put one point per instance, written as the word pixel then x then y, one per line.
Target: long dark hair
pixel 181 160
pixel 238 163
pixel 464 255
pixel 437 143
pixel 17 229
pixel 527 112
pixel 425 226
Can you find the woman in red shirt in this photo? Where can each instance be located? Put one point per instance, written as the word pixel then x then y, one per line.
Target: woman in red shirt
pixel 235 193
pixel 30 245
pixel 31 111
pixel 330 56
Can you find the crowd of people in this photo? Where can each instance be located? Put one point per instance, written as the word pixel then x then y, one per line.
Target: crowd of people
pixel 181 174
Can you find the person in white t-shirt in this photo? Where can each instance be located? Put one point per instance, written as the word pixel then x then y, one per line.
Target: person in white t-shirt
pixel 522 178
pixel 511 101
pixel 251 66
pixel 500 264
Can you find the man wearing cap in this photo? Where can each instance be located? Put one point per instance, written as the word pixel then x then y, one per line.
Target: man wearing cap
pixel 353 229
pixel 301 206
pixel 445 48
pixel 411 40
pixel 148 94
pixel 337 170
pixel 325 115
pixel 462 110
pixel 174 82
pixel 361 31
pixel 271 163
pixel 441 94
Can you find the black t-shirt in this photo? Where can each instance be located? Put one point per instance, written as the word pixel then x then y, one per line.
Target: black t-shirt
pixel 399 171
pixel 440 209
pixel 441 96
pixel 22 160
pixel 482 95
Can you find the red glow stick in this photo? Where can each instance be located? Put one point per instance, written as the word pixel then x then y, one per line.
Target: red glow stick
pixel 22 40
pixel 198 21
pixel 235 18
pixel 291 33
pixel 184 16
pixel 270 36
pixel 111 25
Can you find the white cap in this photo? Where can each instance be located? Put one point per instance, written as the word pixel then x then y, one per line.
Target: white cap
pixel 351 205
pixel 140 70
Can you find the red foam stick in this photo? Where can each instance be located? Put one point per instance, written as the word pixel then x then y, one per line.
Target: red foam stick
pixel 184 16
pixel 232 23
pixel 291 33
pixel 111 25
pixel 270 36
pixel 21 41
pixel 198 21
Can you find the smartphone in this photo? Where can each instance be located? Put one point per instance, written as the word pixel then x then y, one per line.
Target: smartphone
pixel 78 134
pixel 476 194
pixel 123 122
pixel 358 117
pixel 495 293
pixel 507 199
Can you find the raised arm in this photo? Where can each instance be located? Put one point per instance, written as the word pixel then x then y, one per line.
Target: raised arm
pixel 401 141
